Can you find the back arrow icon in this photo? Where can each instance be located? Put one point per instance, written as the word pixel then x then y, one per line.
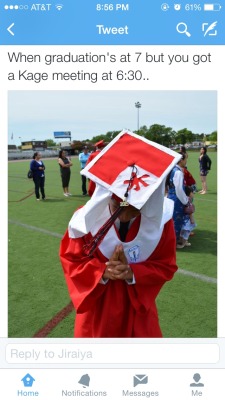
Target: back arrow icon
pixel 9 29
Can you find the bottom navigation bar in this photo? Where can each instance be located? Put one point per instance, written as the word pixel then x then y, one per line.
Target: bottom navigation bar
pixel 112 384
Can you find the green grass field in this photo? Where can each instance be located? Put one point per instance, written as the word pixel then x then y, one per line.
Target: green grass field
pixel 36 287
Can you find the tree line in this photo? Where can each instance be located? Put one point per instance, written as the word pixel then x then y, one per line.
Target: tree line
pixel 161 134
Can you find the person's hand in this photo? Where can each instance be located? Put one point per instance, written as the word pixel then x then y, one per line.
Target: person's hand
pixel 108 274
pixel 115 270
pixel 121 254
pixel 120 271
pixel 117 266
pixel 118 254
pixel 115 255
pixel 108 271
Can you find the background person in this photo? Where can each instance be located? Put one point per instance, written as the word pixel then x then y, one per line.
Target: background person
pixel 177 194
pixel 98 147
pixel 188 178
pixel 117 255
pixel 183 149
pixel 83 157
pixel 205 165
pixel 188 221
pixel 38 168
pixel 65 172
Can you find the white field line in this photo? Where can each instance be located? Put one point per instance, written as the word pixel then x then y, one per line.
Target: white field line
pixel 201 277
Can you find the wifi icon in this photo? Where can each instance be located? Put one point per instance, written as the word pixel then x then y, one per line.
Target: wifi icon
pixel 59 7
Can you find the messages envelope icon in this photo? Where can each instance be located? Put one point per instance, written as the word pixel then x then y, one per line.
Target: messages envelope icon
pixel 140 380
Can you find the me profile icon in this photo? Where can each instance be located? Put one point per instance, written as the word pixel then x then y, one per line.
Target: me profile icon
pixel 196 382
pixel 28 380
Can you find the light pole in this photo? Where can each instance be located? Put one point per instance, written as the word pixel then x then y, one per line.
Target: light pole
pixel 138 105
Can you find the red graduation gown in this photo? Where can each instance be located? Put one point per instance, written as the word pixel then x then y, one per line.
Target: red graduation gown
pixel 117 309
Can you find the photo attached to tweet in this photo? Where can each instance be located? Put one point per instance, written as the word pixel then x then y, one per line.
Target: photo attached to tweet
pixel 112 262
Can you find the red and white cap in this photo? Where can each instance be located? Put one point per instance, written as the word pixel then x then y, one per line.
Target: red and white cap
pixel 134 169
pixel 100 144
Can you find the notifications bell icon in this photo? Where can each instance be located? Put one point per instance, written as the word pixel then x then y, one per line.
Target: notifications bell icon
pixel 84 380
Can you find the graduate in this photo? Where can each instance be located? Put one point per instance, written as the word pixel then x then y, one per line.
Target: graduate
pixel 120 248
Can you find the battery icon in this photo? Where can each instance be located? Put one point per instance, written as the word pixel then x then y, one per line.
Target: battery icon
pixel 212 7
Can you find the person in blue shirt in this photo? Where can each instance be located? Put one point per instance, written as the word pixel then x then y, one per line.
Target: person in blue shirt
pixel 83 157
pixel 38 168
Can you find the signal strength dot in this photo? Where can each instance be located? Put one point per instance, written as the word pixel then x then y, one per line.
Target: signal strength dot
pixel 59 7
pixel 11 7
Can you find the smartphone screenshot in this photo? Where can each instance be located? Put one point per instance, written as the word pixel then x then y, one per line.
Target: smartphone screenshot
pixel 112 273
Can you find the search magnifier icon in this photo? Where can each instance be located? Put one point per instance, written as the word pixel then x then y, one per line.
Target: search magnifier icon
pixel 182 28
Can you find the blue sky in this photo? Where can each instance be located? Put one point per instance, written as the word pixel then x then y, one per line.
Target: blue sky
pixel 37 114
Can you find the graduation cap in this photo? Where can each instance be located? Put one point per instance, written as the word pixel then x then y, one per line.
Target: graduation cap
pixel 131 168
pixel 100 144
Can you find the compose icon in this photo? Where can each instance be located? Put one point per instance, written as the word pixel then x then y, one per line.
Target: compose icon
pixel 209 29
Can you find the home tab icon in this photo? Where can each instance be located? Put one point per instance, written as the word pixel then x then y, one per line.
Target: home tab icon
pixel 28 380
